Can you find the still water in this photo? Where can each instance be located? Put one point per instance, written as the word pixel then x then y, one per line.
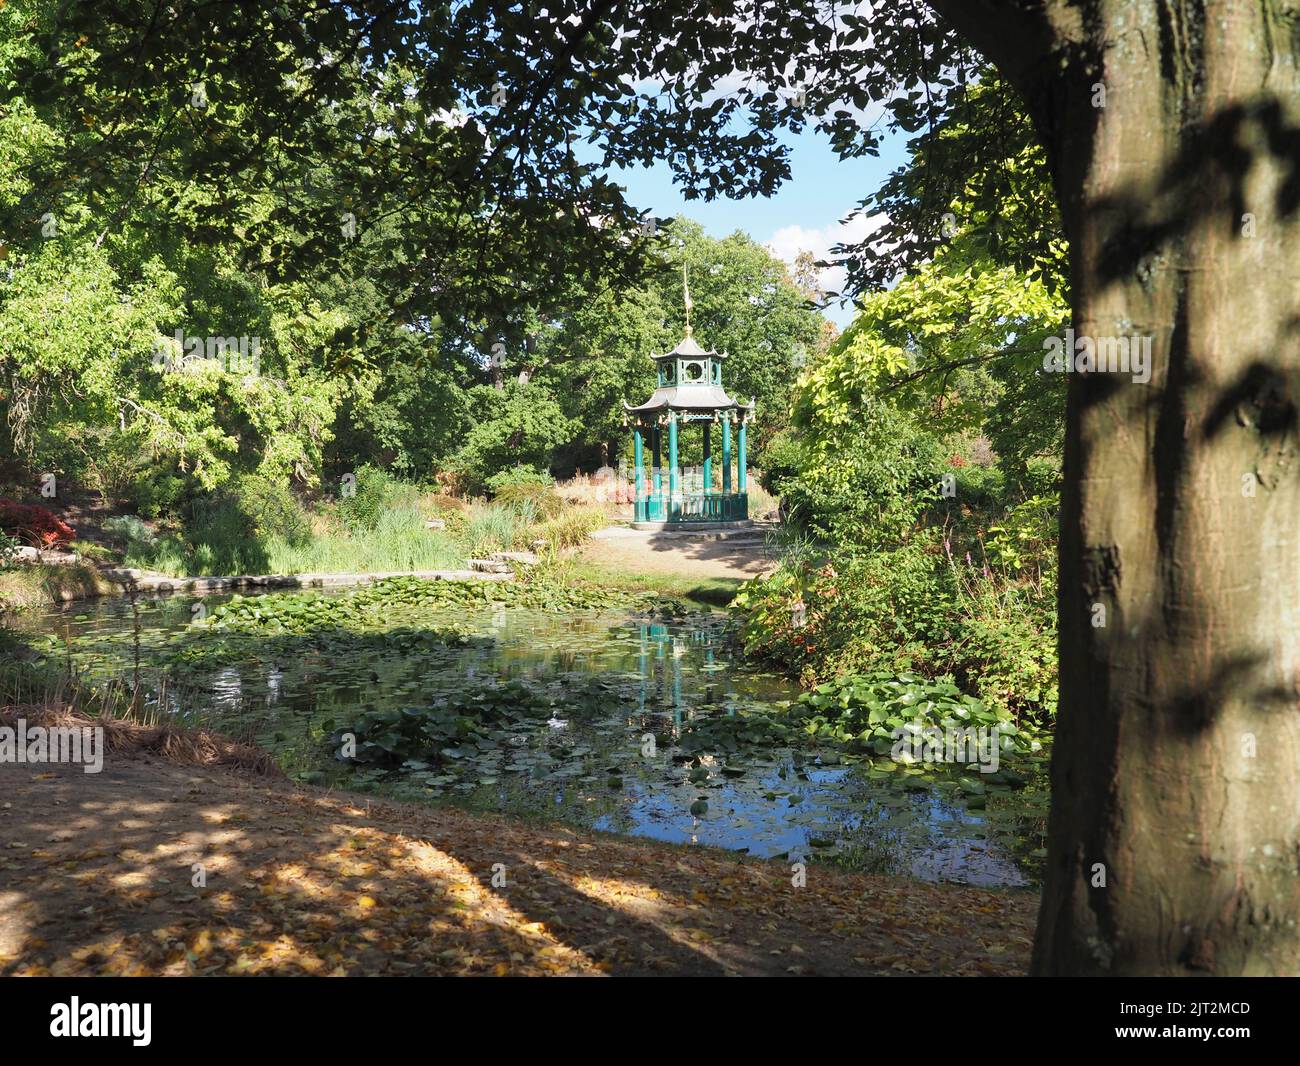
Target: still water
pixel 660 678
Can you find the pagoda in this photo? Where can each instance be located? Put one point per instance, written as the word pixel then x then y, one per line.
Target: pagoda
pixel 689 393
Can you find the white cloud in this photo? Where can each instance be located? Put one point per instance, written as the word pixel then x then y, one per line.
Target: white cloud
pixel 789 241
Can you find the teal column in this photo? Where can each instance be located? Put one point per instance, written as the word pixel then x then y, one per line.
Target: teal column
pixel 726 453
pixel 658 474
pixel 674 483
pixel 638 457
pixel 708 456
pixel 741 482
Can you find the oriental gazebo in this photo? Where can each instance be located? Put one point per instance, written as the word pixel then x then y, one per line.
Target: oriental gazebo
pixel 689 394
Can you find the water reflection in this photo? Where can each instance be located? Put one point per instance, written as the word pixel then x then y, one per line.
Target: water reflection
pixel 667 678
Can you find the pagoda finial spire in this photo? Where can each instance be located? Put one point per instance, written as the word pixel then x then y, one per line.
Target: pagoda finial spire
pixel 686 290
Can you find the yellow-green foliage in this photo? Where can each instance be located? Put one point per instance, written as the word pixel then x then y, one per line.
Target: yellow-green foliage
pixel 530 500
pixel 35 586
pixel 569 529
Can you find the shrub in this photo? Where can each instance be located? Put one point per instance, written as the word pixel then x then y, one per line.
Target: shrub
pixel 873 711
pixel 991 626
pixel 36 525
pixel 160 492
pixel 981 486
pixel 130 531
pixel 518 425
pixel 272 508
pixel 376 491
pixel 518 475
pixel 884 611
pixel 1042 476
pixel 114 466
pixel 569 529
pixel 867 485
pixel 1008 658
pixel 219 539
pixel 531 501
pixel 444 503
pixel 491 528
pixel 779 462
pixel 8 549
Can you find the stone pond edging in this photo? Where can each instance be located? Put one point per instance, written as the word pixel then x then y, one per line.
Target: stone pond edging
pixel 140 581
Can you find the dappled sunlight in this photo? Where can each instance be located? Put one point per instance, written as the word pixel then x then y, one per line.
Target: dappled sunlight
pixel 306 883
pixel 334 897
pixel 14 927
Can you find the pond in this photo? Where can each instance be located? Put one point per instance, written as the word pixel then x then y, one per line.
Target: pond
pixel 631 724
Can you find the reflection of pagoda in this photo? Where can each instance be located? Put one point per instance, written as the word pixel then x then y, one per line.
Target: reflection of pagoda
pixel 689 391
pixel 660 667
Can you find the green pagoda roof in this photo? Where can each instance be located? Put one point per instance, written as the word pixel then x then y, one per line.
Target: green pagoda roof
pixel 696 396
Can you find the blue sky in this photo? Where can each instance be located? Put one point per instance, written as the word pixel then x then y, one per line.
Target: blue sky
pixel 805 212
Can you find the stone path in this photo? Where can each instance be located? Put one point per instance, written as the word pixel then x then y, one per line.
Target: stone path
pixel 739 554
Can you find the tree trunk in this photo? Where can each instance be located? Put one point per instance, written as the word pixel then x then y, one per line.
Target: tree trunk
pixel 1174 839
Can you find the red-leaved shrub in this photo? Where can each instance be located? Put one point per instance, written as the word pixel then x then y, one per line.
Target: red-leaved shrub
pixel 34 524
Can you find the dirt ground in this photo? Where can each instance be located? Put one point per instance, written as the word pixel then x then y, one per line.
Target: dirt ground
pixel 692 558
pixel 98 875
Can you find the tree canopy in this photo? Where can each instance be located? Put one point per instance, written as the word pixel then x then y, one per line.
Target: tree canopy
pixel 244 187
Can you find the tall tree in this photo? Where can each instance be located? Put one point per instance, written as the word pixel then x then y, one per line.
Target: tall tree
pixel 1173 140
pixel 745 304
pixel 1171 132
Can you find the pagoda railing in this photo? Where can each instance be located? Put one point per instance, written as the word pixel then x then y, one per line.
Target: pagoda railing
pixel 693 507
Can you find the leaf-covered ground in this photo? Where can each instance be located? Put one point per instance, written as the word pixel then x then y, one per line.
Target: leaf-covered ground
pixel 97 876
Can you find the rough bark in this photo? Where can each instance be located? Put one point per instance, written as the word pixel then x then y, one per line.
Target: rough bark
pixel 1176 768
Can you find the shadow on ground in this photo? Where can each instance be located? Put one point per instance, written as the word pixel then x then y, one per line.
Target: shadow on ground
pixel 154 868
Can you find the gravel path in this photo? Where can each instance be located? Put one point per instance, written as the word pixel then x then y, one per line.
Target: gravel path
pixel 688 555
